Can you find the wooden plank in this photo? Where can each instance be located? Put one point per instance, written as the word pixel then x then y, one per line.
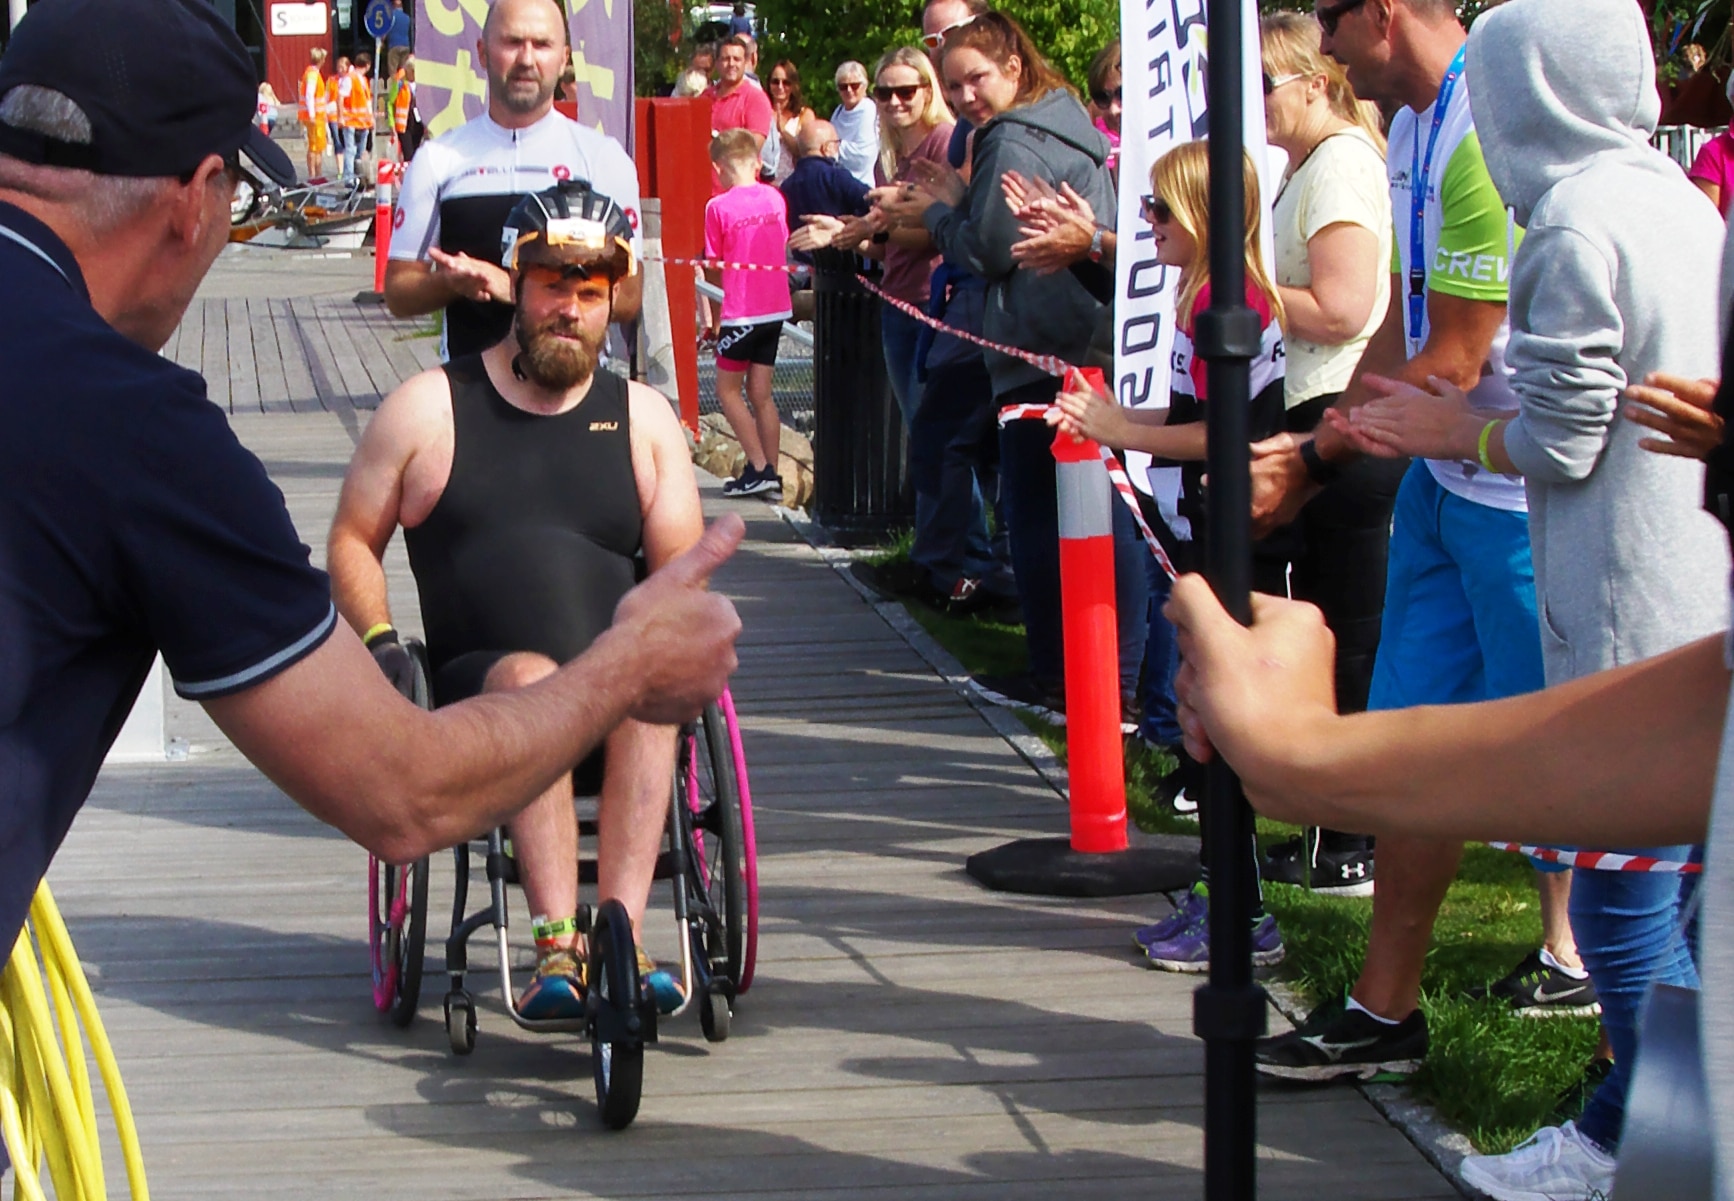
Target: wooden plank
pixel 301 394
pixel 214 365
pixel 268 357
pixel 243 367
pixel 327 383
pixel 334 315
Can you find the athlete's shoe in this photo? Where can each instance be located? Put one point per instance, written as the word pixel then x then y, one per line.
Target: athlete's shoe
pixel 1557 1164
pixel 1337 1043
pixel 664 988
pixel 1536 989
pixel 1189 950
pixel 1303 861
pixel 1193 903
pixel 556 991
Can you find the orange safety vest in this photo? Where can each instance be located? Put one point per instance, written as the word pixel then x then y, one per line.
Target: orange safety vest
pixel 400 109
pixel 311 81
pixel 357 107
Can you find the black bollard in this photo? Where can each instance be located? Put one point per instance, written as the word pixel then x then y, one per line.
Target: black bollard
pixel 1229 1011
pixel 859 456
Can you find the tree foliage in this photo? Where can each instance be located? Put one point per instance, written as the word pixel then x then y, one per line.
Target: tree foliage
pixel 656 56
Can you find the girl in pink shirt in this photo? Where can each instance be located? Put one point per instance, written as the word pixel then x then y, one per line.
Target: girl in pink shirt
pixel 748 224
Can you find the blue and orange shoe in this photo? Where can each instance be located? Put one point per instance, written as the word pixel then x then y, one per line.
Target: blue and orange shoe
pixel 557 991
pixel 664 988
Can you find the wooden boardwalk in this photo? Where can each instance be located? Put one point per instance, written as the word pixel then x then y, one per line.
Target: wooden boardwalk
pixel 908 1035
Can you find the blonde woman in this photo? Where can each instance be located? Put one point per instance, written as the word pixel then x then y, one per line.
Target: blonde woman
pixel 914 126
pixel 1332 230
pixel 1178 210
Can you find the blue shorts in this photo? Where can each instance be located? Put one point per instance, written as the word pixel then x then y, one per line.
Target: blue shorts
pixel 1460 620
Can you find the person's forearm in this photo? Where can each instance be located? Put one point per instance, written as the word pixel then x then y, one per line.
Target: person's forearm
pixel 1621 758
pixel 358 585
pixel 1189 441
pixel 414 289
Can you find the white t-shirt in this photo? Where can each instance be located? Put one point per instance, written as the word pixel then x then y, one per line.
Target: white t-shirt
pixel 461 187
pixel 1342 182
pixel 1468 242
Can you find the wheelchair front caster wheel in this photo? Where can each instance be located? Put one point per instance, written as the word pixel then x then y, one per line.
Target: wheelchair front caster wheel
pixel 461 1022
pixel 714 1016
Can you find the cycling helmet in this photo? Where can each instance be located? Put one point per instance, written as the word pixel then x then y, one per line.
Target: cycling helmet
pixel 568 225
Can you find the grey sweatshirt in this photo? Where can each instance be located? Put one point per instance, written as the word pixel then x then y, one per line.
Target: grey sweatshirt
pixel 1051 139
pixel 1616 277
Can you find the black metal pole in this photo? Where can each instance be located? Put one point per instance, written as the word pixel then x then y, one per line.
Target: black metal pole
pixel 1228 1012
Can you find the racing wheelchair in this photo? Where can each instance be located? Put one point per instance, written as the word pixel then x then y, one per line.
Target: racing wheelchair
pixel 708 854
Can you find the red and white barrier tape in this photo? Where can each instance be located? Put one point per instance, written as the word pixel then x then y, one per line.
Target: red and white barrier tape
pixel 1052 364
pixel 1601 861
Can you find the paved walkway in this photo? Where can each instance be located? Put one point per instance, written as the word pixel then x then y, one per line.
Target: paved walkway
pixel 908 1034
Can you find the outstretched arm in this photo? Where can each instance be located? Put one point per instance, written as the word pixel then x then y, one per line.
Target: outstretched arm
pixel 1565 764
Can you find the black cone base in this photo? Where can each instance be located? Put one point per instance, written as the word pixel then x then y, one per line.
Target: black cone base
pixel 1048 867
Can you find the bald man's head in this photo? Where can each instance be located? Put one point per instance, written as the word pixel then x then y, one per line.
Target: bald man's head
pixel 818 137
pixel 523 49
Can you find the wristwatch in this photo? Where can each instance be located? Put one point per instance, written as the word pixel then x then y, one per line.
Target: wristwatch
pixel 1318 470
pixel 1096 245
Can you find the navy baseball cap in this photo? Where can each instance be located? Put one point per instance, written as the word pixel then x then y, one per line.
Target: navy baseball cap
pixel 165 84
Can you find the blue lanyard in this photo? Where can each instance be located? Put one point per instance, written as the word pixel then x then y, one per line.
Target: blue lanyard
pixel 1420 170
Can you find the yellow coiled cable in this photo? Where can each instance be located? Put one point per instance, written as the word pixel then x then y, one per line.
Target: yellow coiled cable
pixel 47 1109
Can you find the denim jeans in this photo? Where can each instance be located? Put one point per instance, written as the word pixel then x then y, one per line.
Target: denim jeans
pixel 1030 504
pixel 346 147
pixel 1627 930
pixel 898 334
pixel 952 451
pixel 1161 660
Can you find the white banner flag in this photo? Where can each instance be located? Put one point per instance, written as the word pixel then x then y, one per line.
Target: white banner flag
pixel 1164 61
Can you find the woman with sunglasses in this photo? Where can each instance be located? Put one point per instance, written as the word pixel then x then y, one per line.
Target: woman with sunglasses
pixel 1332 231
pixel 1178 211
pixel 1105 90
pixel 857 122
pixel 1028 119
pixel 783 86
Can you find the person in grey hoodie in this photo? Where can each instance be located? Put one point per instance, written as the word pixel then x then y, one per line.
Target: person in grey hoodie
pixel 1027 119
pixel 1616 278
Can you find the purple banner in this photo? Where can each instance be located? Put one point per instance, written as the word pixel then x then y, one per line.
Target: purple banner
pixel 451 86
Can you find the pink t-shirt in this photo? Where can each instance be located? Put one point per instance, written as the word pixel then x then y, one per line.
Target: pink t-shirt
pixel 750 224
pixel 1715 164
pixel 747 107
pixel 908 271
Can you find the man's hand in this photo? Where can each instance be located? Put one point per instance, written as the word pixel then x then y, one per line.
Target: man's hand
pixel 1678 408
pixel 1280 484
pixel 684 632
pixel 1259 695
pixel 1403 421
pixel 473 279
pixel 819 232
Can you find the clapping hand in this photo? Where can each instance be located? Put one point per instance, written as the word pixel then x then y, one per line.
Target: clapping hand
pixel 1082 412
pixel 818 233
pixel 1403 420
pixel 1680 409
pixel 1058 227
pixel 938 180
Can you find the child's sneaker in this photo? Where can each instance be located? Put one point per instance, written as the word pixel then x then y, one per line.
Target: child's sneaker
pixel 1189 949
pixel 1192 907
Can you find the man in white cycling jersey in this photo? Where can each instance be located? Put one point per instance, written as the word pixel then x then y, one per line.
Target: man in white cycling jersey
pixel 445 248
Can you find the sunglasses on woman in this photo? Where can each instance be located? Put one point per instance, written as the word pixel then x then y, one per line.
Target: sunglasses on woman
pixel 1330 14
pixel 781 83
pixel 1271 85
pixel 852 85
pixel 1156 210
pixel 906 92
pixel 1104 97
pixel 934 41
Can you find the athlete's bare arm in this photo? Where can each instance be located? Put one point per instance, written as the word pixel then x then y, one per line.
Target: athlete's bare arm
pixel 667 488
pixel 394 479
pixel 414 289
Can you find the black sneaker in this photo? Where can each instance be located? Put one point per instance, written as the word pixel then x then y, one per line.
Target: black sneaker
pixel 1181 788
pixel 759 482
pixel 1534 989
pixel 1302 861
pixel 1339 1043
pixel 742 484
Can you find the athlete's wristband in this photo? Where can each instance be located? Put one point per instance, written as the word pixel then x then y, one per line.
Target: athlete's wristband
pixel 1319 471
pixel 381 633
pixel 1481 445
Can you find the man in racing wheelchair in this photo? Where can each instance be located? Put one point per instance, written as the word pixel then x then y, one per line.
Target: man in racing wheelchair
pixel 530 485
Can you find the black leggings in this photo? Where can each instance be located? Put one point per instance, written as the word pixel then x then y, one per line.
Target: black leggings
pixel 1346 531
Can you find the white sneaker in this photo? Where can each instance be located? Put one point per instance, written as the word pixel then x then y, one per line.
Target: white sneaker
pixel 1556 1164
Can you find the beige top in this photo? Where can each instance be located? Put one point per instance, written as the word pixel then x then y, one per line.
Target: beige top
pixel 1342 180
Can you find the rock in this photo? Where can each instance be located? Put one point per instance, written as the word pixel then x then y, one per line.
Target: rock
pixel 718 452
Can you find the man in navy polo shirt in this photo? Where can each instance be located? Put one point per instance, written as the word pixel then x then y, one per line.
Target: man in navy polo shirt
pixel 132 520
